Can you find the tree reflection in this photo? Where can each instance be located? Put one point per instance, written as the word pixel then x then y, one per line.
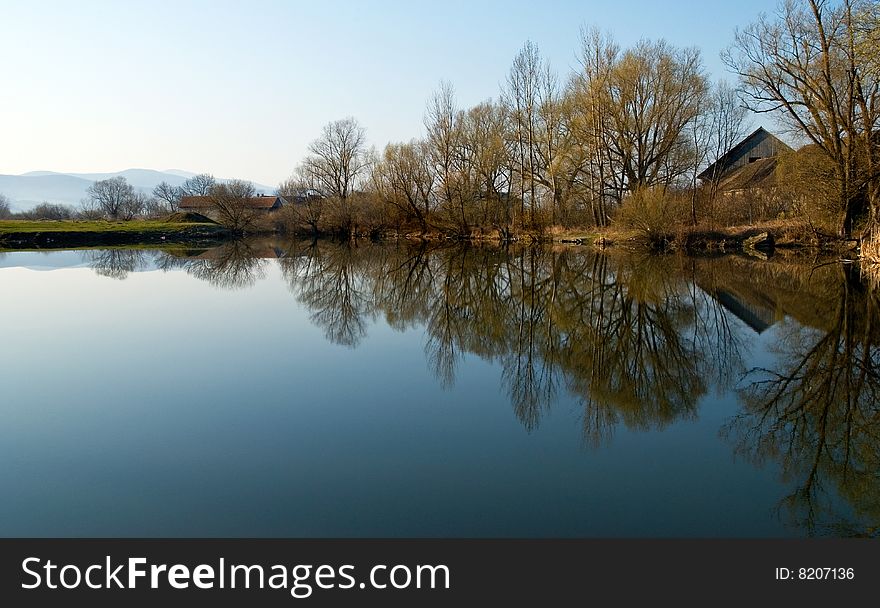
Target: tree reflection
pixel 330 279
pixel 554 320
pixel 818 412
pixel 637 341
pixel 234 265
pixel 116 263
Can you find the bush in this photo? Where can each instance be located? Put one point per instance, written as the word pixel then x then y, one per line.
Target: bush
pixel 654 213
pixel 49 211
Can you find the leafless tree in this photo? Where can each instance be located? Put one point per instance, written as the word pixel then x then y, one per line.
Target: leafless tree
pixel 169 194
pixel 404 179
pixel 231 203
pixel 652 93
pixel 49 211
pixel 599 53
pixel 114 198
pixel 305 205
pixel 727 124
pixel 5 208
pixel 336 163
pixel 522 98
pixel 444 141
pixel 198 185
pixel 809 66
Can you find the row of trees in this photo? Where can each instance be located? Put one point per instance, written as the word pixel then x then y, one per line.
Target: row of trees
pixel 43 211
pixel 117 199
pixel 546 152
pixel 229 202
pixel 629 125
pixel 621 138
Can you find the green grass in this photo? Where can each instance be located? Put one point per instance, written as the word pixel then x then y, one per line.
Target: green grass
pixel 91 226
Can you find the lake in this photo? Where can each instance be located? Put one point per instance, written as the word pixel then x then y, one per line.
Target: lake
pixel 398 390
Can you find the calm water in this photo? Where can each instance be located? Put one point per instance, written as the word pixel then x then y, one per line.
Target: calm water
pixel 328 390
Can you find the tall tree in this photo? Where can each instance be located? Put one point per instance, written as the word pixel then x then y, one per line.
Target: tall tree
pixel 169 195
pixel 337 162
pixel 652 93
pixel 810 65
pixel 115 198
pixel 522 96
pixel 404 178
pixel 231 202
pixel 198 185
pixel 444 141
pixel 5 208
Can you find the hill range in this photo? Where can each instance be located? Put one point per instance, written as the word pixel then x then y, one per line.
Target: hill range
pixel 29 189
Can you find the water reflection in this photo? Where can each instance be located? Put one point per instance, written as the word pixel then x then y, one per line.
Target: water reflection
pixel 640 342
pixel 818 411
pixel 117 263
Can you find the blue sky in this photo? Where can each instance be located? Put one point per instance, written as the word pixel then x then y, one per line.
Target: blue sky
pixel 240 88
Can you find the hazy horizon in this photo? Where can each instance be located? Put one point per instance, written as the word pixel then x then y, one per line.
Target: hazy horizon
pixel 240 90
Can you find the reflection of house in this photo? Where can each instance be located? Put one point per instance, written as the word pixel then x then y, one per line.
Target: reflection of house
pixel 201 204
pixel 259 250
pixel 758 317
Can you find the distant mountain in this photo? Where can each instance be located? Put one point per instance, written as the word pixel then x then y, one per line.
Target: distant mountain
pixel 186 174
pixel 29 189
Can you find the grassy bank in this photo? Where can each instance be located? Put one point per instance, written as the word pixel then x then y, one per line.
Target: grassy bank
pixel 761 236
pixel 74 233
pixel 784 234
pixel 26 234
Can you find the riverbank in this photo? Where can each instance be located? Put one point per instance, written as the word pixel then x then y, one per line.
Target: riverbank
pixel 758 239
pixel 18 234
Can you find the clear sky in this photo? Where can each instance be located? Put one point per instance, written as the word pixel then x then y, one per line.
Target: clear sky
pixel 239 88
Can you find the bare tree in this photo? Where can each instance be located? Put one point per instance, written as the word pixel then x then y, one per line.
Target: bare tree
pixel 169 194
pixel 522 98
pixel 198 185
pixel 590 127
pixel 336 163
pixel 652 93
pixel 727 124
pixel 49 211
pixel 485 163
pixel 810 66
pixel 305 205
pixel 443 145
pixel 114 198
pixel 5 208
pixel 231 202
pixel 404 179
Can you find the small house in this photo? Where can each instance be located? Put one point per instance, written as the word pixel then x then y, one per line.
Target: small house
pixel 759 146
pixel 203 204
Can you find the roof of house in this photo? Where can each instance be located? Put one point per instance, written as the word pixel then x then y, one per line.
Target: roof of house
pixel 738 149
pixel 257 202
pixel 759 174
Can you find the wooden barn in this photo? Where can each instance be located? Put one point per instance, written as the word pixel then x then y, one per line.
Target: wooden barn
pixel 758 146
pixel 202 204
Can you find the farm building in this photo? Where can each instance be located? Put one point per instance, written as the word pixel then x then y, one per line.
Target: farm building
pixel 759 145
pixel 202 204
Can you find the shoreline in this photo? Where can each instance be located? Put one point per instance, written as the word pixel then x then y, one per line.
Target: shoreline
pixel 759 240
pixel 19 234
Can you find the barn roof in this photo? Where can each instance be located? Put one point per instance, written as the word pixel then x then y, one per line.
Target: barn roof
pixel 759 174
pixel 204 202
pixel 738 149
